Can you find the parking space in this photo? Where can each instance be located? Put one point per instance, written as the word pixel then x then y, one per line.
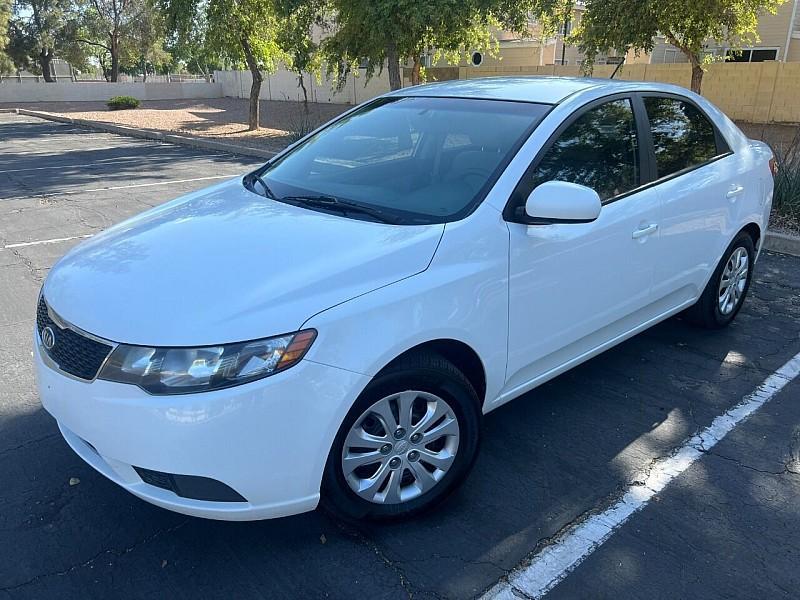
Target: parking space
pixel 726 527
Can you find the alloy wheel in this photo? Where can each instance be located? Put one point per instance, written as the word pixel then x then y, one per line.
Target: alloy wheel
pixel 733 281
pixel 400 447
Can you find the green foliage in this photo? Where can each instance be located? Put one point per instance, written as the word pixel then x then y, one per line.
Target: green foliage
pixel 373 31
pixel 122 103
pixel 41 30
pixel 623 25
pixel 6 64
pixel 786 198
pixel 142 47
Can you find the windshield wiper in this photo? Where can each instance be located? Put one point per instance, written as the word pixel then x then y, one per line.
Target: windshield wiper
pixel 267 192
pixel 343 206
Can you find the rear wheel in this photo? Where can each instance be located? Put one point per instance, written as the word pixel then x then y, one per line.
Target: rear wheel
pixel 409 440
pixel 725 293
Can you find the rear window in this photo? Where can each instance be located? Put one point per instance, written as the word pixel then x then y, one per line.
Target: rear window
pixel 425 160
pixel 683 137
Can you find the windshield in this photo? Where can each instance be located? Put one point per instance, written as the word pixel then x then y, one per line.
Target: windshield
pixel 420 160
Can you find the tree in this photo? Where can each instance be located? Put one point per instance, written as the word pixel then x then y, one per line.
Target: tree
pixel 624 25
pixel 143 45
pixel 241 31
pixel 6 64
pixel 40 30
pixel 106 24
pixel 188 46
pixel 374 32
pixel 297 19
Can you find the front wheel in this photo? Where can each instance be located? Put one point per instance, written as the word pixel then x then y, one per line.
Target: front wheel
pixel 725 293
pixel 409 440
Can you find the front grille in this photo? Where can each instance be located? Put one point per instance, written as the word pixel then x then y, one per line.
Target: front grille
pixel 74 353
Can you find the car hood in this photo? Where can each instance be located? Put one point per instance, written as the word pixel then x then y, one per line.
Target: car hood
pixel 224 265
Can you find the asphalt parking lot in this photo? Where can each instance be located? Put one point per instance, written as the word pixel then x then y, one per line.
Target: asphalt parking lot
pixel 728 526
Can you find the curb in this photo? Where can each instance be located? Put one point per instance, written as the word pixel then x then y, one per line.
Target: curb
pixel 782 243
pixel 148 134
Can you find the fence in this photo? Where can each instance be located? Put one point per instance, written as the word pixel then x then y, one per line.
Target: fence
pixel 765 92
pixel 102 91
pixel 284 85
pixel 97 78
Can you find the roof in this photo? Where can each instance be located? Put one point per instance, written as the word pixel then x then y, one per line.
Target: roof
pixel 544 89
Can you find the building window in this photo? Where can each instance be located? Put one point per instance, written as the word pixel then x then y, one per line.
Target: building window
pixel 559 62
pixel 751 55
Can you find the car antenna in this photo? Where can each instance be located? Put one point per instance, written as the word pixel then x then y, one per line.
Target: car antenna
pixel 619 66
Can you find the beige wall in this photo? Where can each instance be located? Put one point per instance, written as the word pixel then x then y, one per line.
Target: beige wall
pixel 11 91
pixel 756 92
pixel 283 85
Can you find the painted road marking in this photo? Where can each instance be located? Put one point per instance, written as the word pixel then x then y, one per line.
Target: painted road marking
pixel 552 564
pixel 52 241
pixel 121 187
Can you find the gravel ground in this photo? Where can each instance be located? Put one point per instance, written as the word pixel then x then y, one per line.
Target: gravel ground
pixel 219 118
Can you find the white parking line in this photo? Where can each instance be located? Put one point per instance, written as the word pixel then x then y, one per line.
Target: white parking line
pixel 551 565
pixel 52 241
pixel 123 187
pixel 92 164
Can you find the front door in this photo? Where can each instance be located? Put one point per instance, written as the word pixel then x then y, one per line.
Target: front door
pixel 574 287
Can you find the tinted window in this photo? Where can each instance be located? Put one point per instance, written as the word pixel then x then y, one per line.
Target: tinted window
pixel 424 160
pixel 599 150
pixel 682 136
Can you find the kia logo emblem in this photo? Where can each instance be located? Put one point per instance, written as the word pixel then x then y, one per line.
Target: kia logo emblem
pixel 48 338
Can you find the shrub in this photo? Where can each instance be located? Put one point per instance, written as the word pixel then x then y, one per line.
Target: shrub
pixel 122 103
pixel 786 199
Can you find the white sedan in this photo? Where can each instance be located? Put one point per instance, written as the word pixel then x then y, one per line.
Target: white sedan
pixel 332 326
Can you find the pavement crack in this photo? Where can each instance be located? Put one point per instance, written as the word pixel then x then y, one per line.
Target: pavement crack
pixel 359 536
pixel 789 468
pixel 27 443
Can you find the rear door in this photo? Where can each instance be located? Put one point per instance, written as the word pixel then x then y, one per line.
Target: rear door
pixel 697 179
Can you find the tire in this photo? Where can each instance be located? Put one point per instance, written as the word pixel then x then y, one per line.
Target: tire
pixel 708 312
pixel 437 394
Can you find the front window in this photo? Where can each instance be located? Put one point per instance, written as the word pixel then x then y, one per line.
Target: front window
pixel 420 160
pixel 599 150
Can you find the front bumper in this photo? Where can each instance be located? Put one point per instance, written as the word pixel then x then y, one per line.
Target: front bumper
pixel 267 440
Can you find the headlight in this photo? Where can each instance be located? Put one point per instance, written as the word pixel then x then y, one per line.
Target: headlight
pixel 185 370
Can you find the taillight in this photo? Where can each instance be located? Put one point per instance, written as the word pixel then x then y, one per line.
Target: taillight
pixel 773 166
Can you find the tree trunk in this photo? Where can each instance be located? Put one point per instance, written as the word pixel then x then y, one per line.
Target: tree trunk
pixel 697 77
pixel 114 57
pixel 144 70
pixel 302 85
pixel 415 70
pixel 393 58
pixel 255 88
pixel 45 62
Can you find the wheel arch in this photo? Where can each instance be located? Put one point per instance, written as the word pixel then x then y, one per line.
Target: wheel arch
pixel 754 231
pixel 462 355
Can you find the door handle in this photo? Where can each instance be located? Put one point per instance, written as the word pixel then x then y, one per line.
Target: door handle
pixel 645 230
pixel 734 191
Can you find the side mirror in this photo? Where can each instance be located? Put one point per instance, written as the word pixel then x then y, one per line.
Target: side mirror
pixel 562 202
